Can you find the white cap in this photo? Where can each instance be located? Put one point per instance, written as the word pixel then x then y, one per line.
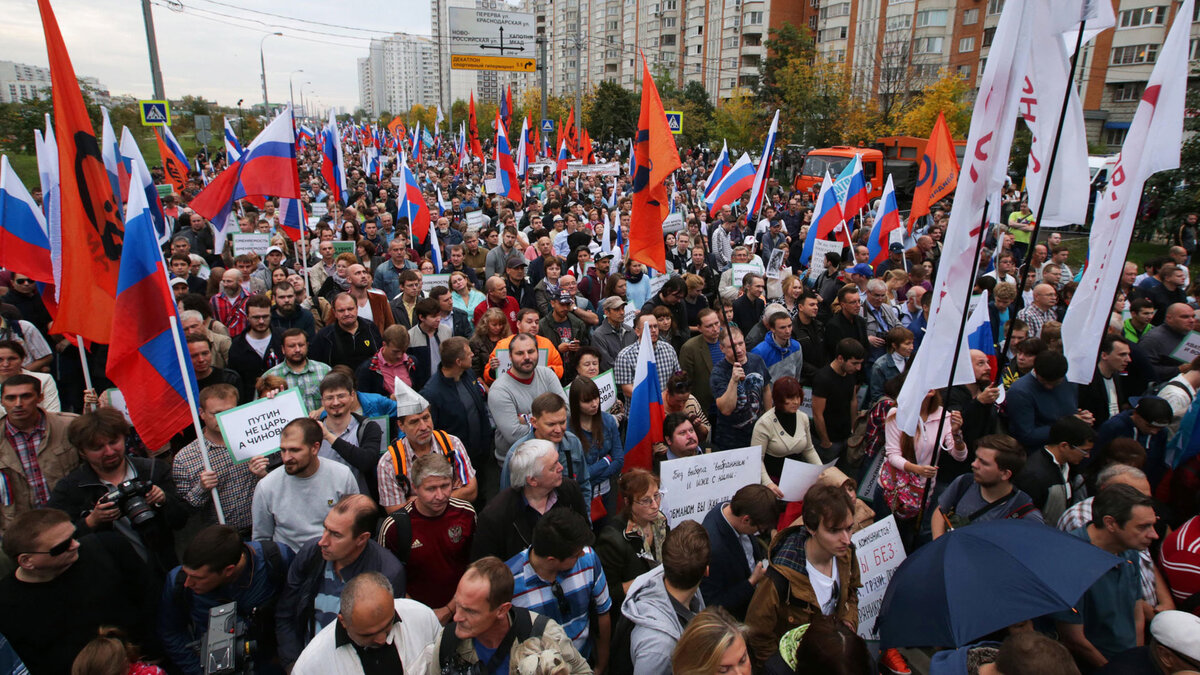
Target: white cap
pixel 408 401
pixel 1178 631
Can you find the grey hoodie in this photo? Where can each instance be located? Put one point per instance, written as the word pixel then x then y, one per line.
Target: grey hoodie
pixel 656 626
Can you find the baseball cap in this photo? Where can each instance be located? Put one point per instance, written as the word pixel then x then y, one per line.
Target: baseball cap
pixel 274 249
pixel 896 247
pixel 773 309
pixel 863 269
pixel 611 302
pixel 566 297
pixel 556 218
pixel 604 256
pixel 1178 631
pixel 178 281
pixel 749 241
pixel 1154 410
pixel 517 262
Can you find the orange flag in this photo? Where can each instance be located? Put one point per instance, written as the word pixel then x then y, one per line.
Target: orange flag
pixel 656 155
pixel 175 167
pixel 396 128
pixel 92 230
pixel 585 149
pixel 938 174
pixel 473 130
pixel 572 139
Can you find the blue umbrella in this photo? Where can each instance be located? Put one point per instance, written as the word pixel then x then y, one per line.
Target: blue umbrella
pixel 978 579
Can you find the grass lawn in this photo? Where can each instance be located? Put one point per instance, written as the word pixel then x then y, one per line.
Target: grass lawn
pixel 1139 252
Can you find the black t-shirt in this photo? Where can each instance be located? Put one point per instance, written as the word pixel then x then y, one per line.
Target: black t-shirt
pixel 838 392
pixel 49 623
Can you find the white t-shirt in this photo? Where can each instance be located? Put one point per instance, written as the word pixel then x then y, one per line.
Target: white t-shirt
pixel 259 344
pixel 824 587
pixel 364 311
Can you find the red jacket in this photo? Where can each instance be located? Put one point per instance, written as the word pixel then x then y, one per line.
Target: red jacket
pixel 510 309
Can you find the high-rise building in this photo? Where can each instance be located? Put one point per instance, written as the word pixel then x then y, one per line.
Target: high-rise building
pixel 399 72
pixel 24 82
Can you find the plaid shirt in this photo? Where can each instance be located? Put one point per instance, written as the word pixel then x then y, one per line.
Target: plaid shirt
pixel 1080 515
pixel 26 444
pixel 1035 317
pixel 665 360
pixel 235 484
pixel 570 604
pixel 308 381
pixel 232 313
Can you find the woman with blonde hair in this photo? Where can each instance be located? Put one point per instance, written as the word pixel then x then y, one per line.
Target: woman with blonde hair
pixel 491 329
pixel 713 643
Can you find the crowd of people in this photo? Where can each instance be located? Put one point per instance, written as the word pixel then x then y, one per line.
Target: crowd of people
pixel 457 500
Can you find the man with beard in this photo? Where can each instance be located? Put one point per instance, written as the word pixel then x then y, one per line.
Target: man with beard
pixel 290 505
pixel 300 372
pixel 511 397
pixel 988 493
pixel 350 340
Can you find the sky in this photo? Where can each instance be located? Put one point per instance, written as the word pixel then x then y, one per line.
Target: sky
pixel 210 48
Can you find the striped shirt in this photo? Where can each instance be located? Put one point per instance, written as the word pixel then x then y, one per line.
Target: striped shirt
pixel 568 599
pixel 1180 558
pixel 392 493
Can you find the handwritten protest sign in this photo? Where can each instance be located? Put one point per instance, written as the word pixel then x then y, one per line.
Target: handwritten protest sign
pixel 656 283
pixel 816 264
pixel 607 385
pixel 693 486
pixel 254 429
pixel 476 220
pixel 319 209
pixel 740 270
pixel 1188 349
pixel 880 552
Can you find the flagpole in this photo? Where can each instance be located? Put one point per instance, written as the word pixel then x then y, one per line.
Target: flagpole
pixel 962 329
pixel 191 399
pixel 87 372
pixel 1037 223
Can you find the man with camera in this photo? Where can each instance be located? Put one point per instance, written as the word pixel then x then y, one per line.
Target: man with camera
pixel 110 490
pixel 218 570
pixel 324 566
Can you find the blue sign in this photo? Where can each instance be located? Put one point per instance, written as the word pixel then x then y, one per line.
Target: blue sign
pixel 675 121
pixel 155 113
pixel 548 126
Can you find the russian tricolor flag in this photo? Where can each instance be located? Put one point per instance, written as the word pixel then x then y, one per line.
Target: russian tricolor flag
pixel 732 185
pixel 886 222
pixel 560 168
pixel 24 241
pixel 293 219
pixel 826 221
pixel 759 190
pixel 412 204
pixel 139 178
pixel 979 333
pixel 143 357
pixel 333 166
pixel 506 169
pixel 233 147
pixel 723 166
pixel 644 429
pixel 111 156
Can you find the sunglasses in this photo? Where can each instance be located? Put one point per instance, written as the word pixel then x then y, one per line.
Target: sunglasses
pixel 22 281
pixel 564 607
pixel 57 549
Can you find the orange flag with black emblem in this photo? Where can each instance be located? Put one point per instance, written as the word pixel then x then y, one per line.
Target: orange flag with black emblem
pixel 473 131
pixel 92 229
pixel 572 139
pixel 656 155
pixel 938 173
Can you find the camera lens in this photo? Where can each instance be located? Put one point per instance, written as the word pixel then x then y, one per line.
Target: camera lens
pixel 137 510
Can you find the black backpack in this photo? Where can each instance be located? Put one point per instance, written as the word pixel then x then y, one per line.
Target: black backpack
pixel 525 625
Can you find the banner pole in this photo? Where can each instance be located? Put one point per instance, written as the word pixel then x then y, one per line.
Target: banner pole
pixel 1037 223
pixel 83 359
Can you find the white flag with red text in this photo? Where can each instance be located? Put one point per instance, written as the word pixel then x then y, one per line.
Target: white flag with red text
pixel 983 173
pixel 1152 144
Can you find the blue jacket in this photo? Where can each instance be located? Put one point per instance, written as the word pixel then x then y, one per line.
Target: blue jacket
pixel 570 453
pixel 1032 409
pixel 728 581
pixel 1121 426
pixel 179 627
pixel 604 461
pixel 771 353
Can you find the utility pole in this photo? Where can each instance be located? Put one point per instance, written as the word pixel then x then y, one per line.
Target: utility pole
pixel 578 71
pixel 262 61
pixel 152 46
pixel 542 65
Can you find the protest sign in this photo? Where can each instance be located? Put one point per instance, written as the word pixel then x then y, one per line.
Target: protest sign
pixel 340 247
pixel 1188 349
pixel 740 270
pixel 607 385
pixel 476 220
pixel 251 242
pixel 319 209
pixel 775 266
pixel 606 169
pixel 816 264
pixel 253 429
pixel 880 552
pixel 432 281
pixel 505 359
pixel 673 223
pixel 656 283
pixel 797 477
pixel 693 486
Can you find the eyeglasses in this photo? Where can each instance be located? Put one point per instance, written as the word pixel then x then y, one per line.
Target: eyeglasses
pixel 57 549
pixel 564 607
pixel 22 281
pixel 651 500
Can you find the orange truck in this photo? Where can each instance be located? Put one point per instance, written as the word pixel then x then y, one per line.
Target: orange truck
pixel 898 156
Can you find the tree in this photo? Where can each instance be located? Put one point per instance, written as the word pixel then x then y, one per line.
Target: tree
pixel 949 94
pixel 739 121
pixel 612 114
pixel 1170 195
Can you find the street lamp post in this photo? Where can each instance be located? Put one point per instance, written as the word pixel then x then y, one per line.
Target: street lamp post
pixel 302 98
pixel 262 61
pixel 291 93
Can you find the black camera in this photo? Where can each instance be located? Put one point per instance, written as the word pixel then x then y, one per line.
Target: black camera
pixel 130 497
pixel 226 647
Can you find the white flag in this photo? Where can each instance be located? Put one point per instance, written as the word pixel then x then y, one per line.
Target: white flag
pixel 988 143
pixel 1152 144
pixel 1053 39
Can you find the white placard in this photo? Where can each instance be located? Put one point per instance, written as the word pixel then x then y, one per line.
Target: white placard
pixel 1188 349
pixel 476 220
pixel 816 264
pixel 319 209
pixel 797 477
pixel 693 486
pixel 673 223
pixel 879 552
pixel 493 186
pixel 432 281
pixel 656 283
pixel 605 169
pixel 740 270
pixel 631 313
pixel 607 384
pixel 251 242
pixel 775 266
pixel 254 429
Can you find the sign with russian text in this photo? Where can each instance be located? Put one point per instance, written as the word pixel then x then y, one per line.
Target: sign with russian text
pixel 816 264
pixel 251 242
pixel 880 552
pixel 432 281
pixel 693 486
pixel 607 385
pixel 485 39
pixel 1188 349
pixel 254 429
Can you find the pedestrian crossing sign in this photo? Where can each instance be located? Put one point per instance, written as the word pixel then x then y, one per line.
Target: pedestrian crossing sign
pixel 547 126
pixel 155 113
pixel 675 121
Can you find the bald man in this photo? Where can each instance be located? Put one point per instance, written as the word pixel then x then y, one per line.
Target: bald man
pixel 1161 341
pixel 374 632
pixel 1041 310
